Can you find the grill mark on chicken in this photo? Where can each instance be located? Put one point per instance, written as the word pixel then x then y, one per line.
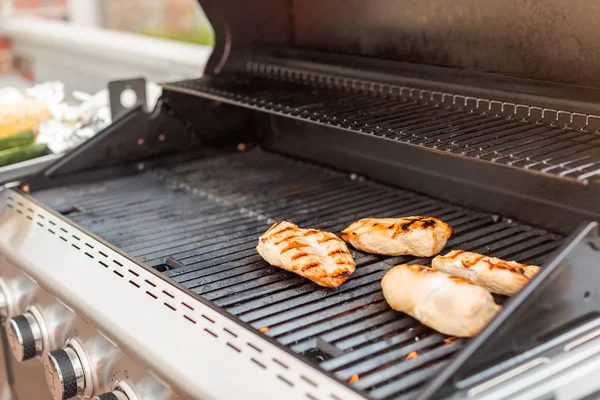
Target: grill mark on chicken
pixel 342 274
pixel 282 240
pixel 338 251
pixel 283 230
pixel 342 262
pixel 292 246
pixel 497 275
pixel 427 222
pixel 327 240
pixel 457 253
pixel 299 255
pixel 311 265
pixel 503 266
pixel 470 263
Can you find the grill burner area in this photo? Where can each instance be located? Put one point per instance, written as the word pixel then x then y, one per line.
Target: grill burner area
pixel 199 222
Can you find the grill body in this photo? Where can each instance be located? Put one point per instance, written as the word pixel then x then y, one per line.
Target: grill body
pixel 313 113
pixel 198 222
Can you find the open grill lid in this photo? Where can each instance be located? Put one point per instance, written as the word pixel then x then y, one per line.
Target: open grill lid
pixel 550 41
pixel 362 36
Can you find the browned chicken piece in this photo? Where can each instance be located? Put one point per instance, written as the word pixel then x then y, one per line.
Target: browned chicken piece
pixel 319 256
pixel 416 236
pixel 450 305
pixel 494 274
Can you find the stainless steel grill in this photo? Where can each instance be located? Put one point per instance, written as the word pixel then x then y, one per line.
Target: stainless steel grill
pixel 199 222
pixel 332 123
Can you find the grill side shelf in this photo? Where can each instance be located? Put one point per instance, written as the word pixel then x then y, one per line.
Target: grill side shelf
pixel 563 295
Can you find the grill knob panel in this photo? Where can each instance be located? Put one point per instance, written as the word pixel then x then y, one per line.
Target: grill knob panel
pixel 24 337
pixel 64 373
pixel 116 395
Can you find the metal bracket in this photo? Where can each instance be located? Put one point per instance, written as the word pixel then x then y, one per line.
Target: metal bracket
pixel 133 138
pixel 125 95
pixel 564 294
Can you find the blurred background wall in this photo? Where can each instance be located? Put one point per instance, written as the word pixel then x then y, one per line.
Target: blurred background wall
pixel 86 43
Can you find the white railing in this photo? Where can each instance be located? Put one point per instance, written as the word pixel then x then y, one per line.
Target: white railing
pixel 86 58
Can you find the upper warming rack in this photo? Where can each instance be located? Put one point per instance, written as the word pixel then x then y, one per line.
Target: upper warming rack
pixel 551 142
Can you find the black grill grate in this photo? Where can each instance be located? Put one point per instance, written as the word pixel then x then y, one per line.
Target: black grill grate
pixel 565 149
pixel 207 214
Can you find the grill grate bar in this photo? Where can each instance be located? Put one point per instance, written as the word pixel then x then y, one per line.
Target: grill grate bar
pixel 407 381
pixel 269 312
pixel 377 326
pixel 392 355
pixel 350 358
pixel 401 368
pixel 314 330
pixel 384 332
pixel 277 281
pixel 216 228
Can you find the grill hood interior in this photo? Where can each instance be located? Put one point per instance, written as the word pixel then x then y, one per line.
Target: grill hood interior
pixel 551 41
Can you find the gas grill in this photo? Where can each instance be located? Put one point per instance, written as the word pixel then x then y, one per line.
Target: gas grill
pixel 129 266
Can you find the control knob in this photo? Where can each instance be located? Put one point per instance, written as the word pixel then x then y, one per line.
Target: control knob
pixel 114 395
pixel 65 375
pixel 24 336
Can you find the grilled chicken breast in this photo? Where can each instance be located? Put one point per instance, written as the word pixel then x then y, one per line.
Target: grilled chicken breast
pixel 450 305
pixel 494 274
pixel 417 236
pixel 319 256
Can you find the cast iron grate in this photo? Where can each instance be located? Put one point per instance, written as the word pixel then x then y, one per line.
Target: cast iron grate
pixel 199 222
pixel 568 149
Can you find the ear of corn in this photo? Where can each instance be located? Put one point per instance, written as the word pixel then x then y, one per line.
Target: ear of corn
pixel 21 117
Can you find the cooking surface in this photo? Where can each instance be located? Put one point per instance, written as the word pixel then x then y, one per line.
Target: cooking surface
pixel 199 222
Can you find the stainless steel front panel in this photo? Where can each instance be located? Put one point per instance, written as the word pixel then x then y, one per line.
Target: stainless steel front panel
pixel 130 319
pixel 108 366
